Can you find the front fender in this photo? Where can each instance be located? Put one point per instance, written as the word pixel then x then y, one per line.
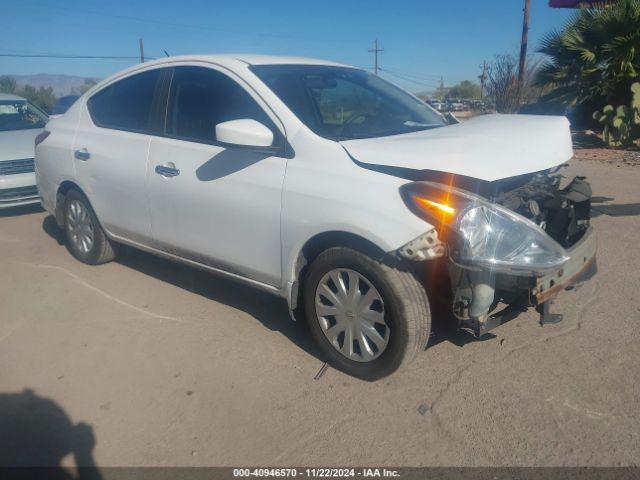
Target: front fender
pixel 377 215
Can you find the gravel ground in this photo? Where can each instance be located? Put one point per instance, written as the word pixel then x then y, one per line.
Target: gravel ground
pixel 617 158
pixel 145 362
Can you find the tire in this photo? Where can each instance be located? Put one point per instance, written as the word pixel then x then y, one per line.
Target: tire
pixel 405 309
pixel 100 249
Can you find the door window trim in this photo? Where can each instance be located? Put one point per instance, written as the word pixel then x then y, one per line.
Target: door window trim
pixel 284 149
pixel 281 146
pixel 159 98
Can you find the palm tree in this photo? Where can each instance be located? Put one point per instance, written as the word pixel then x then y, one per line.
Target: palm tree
pixel 595 58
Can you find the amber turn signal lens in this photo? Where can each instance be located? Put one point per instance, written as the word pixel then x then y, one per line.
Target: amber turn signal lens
pixel 432 206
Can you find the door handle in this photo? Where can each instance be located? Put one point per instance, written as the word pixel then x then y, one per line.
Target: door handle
pixel 167 171
pixel 83 154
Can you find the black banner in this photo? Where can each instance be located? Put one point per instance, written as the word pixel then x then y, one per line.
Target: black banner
pixel 425 473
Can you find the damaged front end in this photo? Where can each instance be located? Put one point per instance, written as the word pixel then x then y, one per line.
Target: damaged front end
pixel 510 245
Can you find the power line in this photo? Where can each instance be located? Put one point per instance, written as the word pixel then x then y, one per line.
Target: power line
pixel 189 26
pixel 407 79
pixel 413 74
pixel 92 57
pixel 433 80
pixel 410 75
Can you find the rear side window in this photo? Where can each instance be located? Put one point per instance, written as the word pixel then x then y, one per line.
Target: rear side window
pixel 201 98
pixel 128 104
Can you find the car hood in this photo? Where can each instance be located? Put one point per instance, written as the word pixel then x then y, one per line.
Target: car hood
pixel 489 147
pixel 18 144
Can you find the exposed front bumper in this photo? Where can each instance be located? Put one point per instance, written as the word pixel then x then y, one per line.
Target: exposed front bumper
pixel 476 293
pixel 580 267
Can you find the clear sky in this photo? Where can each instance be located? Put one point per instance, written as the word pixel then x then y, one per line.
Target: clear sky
pixel 422 39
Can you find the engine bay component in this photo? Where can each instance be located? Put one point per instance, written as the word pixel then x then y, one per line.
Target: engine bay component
pixel 564 213
pixel 425 247
pixel 473 298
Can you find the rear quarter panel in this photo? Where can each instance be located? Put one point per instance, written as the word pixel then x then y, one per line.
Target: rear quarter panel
pixel 54 156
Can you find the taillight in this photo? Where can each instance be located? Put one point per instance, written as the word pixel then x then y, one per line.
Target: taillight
pixel 41 137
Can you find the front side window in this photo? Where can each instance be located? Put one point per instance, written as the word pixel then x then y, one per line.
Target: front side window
pixel 20 115
pixel 127 104
pixel 342 103
pixel 200 98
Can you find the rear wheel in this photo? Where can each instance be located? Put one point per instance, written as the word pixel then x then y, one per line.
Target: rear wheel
pixel 85 238
pixel 369 319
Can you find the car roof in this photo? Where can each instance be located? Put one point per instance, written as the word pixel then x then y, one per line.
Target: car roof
pixel 240 59
pixel 232 61
pixel 255 59
pixel 10 96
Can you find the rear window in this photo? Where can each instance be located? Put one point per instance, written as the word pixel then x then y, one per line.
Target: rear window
pixel 127 104
pixel 20 115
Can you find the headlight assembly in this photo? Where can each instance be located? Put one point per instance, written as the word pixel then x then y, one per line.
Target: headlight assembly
pixel 484 234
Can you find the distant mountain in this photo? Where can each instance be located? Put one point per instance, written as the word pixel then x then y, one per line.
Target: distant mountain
pixel 61 84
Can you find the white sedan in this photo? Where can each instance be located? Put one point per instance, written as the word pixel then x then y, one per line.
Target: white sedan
pixel 326 185
pixel 20 124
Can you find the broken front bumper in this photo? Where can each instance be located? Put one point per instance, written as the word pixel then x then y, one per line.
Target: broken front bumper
pixel 477 293
pixel 580 267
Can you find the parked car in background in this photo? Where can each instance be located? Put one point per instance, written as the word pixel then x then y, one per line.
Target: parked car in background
pixel 20 124
pixel 478 105
pixel 439 106
pixel 326 185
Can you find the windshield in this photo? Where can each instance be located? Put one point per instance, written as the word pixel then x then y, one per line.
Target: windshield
pixel 20 115
pixel 341 103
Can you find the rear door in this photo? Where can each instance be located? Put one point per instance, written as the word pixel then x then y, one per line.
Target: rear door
pixel 215 205
pixel 111 150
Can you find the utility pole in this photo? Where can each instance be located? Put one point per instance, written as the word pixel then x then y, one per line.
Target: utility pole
pixel 441 89
pixel 483 78
pixel 375 51
pixel 141 51
pixel 523 46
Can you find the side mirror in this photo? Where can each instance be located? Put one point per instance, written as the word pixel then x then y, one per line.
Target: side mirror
pixel 245 133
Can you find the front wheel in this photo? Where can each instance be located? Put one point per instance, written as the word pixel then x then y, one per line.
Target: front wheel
pixel 368 318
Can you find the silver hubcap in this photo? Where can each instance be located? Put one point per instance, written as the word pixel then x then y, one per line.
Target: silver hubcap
pixel 80 226
pixel 350 312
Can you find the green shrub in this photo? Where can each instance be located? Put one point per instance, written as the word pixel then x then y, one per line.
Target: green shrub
pixel 595 58
pixel 621 125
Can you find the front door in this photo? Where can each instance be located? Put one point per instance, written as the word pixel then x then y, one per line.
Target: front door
pixel 214 205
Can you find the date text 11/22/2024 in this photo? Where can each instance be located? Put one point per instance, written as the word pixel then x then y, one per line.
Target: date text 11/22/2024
pixel 316 472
